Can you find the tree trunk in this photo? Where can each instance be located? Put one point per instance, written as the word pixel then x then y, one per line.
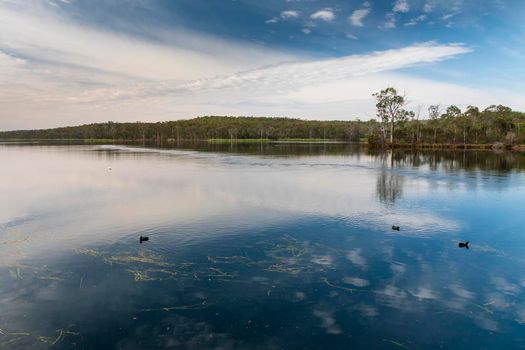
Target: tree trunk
pixel 392 133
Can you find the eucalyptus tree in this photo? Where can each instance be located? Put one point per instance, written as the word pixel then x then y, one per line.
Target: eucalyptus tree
pixel 450 118
pixel 390 110
pixel 473 115
pixel 433 116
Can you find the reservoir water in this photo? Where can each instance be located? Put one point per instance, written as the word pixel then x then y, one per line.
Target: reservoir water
pixel 270 246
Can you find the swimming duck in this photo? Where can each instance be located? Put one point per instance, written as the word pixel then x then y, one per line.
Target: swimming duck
pixel 395 228
pixel 463 244
pixel 144 238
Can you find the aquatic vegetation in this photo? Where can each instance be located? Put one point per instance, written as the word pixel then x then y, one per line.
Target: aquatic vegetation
pixel 144 266
pixel 10 338
pixel 396 343
pixel 203 305
pixel 143 257
pixel 234 259
pixel 152 274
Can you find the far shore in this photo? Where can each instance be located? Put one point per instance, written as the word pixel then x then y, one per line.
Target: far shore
pixel 415 146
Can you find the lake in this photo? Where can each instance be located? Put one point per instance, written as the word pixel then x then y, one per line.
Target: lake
pixel 270 246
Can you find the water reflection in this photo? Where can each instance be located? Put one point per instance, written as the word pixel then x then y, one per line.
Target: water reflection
pixel 264 246
pixel 389 187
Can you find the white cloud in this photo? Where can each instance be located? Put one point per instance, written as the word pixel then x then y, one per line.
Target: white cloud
pixel 306 31
pixel 351 36
pixel 429 6
pixel 42 36
pixel 284 15
pixel 356 18
pixel 414 21
pixel 401 6
pixel 53 72
pixel 390 21
pixel 289 14
pixel 293 75
pixel 326 15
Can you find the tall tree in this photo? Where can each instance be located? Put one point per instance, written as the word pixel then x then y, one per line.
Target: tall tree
pixel 390 109
pixel 433 116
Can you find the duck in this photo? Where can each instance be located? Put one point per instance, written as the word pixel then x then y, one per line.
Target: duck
pixel 143 239
pixel 395 228
pixel 463 244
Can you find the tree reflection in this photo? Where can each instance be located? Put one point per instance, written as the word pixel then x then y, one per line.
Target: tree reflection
pixel 389 187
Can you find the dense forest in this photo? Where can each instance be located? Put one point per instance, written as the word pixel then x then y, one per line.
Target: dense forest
pixel 495 125
pixel 204 128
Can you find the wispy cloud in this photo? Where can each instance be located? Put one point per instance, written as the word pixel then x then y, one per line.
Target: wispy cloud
pixel 45 39
pixel 289 14
pixel 283 16
pixel 294 75
pixel 326 14
pixel 357 17
pixel 390 21
pixel 429 6
pixel 414 21
pixel 401 6
pixel 52 68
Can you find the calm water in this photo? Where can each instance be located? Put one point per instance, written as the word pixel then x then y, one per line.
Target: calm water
pixel 260 247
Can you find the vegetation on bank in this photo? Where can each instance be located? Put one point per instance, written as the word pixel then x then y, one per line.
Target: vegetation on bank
pixel 450 127
pixel 220 141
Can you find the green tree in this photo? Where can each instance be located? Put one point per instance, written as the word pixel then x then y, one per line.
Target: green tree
pixel 390 109
pixel 433 116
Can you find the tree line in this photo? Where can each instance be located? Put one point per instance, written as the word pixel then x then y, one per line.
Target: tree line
pixel 203 128
pixel 394 125
pixel 439 125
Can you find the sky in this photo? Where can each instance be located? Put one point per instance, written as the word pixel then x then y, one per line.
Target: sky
pixel 71 62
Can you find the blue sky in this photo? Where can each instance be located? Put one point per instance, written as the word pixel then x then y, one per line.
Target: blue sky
pixel 65 62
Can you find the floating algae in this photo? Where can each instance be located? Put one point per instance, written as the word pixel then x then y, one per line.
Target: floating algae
pixel 142 257
pixel 234 259
pixel 198 306
pixel 328 283
pixel 284 269
pixel 218 273
pixel 62 334
pixel 295 257
pixel 144 266
pixel 51 278
pixel 19 336
pixel 152 274
pixel 395 343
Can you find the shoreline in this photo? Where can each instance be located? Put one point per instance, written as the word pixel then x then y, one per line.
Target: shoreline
pixel 495 147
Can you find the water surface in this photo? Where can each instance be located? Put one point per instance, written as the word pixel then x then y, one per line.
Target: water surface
pixel 274 246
